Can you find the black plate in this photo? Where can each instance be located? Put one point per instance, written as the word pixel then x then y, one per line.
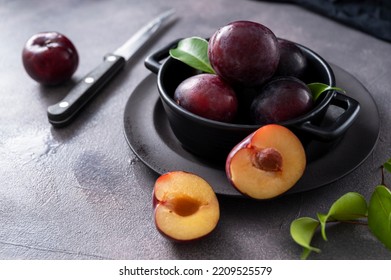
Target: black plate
pixel 149 135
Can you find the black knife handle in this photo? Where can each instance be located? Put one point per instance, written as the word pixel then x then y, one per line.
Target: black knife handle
pixel 63 112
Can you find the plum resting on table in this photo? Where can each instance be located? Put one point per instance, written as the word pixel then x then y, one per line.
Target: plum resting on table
pixel 281 99
pixel 50 58
pixel 208 96
pixel 185 206
pixel 244 52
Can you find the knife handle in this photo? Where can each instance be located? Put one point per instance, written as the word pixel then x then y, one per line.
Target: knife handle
pixel 63 112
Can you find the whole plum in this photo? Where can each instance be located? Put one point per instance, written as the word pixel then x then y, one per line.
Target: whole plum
pixel 50 58
pixel 281 99
pixel 208 96
pixel 292 60
pixel 244 52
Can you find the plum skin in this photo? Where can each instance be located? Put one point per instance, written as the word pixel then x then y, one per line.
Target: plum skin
pixel 208 96
pixel 292 60
pixel 281 99
pixel 245 143
pixel 50 58
pixel 244 52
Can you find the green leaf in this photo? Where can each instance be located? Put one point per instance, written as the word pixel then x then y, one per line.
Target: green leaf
pixel 194 52
pixel 305 254
pixel 302 230
pixel 389 222
pixel 379 215
pixel 387 165
pixel 323 220
pixel 318 88
pixel 350 206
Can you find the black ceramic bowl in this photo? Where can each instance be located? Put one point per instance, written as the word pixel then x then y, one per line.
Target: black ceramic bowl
pixel 213 140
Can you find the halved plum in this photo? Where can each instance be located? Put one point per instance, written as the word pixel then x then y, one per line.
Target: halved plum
pixel 267 163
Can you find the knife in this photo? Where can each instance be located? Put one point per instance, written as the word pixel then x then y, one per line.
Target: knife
pixel 63 112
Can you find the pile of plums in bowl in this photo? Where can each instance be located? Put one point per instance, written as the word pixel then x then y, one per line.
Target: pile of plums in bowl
pixel 259 79
pixel 256 80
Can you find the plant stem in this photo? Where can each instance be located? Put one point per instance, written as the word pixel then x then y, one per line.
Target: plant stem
pixel 355 222
pixel 382 176
pixel 362 223
pixel 383 180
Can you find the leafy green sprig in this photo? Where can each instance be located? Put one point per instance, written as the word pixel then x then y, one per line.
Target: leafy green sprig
pixel 193 51
pixel 318 88
pixel 350 208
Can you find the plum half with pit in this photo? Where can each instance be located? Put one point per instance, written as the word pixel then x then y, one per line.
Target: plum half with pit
pixel 244 53
pixel 267 163
pixel 50 58
pixel 281 99
pixel 292 60
pixel 208 96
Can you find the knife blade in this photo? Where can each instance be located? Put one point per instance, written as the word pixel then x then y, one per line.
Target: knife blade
pixel 63 112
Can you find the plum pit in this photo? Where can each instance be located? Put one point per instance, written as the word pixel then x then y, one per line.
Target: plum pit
pixel 268 159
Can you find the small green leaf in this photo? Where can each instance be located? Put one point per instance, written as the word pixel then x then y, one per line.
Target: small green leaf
pixel 379 215
pixel 302 230
pixel 387 165
pixel 350 206
pixel 323 220
pixel 318 88
pixel 389 222
pixel 194 52
pixel 305 254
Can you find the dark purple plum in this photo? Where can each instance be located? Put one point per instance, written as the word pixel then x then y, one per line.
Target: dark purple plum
pixel 281 99
pixel 292 60
pixel 244 52
pixel 50 58
pixel 208 96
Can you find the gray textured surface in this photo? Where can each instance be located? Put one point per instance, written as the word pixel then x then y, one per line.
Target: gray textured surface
pixel 80 193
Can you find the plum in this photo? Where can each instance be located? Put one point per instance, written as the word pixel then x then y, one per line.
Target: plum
pixel 281 99
pixel 244 52
pixel 185 206
pixel 292 60
pixel 50 58
pixel 208 96
pixel 267 163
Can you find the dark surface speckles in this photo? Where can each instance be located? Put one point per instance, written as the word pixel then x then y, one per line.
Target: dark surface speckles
pixel 96 172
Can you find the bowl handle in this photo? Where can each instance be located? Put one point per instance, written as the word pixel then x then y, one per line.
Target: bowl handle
pixel 340 125
pixel 152 62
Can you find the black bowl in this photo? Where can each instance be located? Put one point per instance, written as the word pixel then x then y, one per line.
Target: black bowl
pixel 213 140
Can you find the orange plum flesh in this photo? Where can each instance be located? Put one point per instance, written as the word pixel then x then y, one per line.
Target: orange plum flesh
pixel 267 163
pixel 186 207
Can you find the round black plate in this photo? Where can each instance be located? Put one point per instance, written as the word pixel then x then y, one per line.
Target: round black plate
pixel 149 135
